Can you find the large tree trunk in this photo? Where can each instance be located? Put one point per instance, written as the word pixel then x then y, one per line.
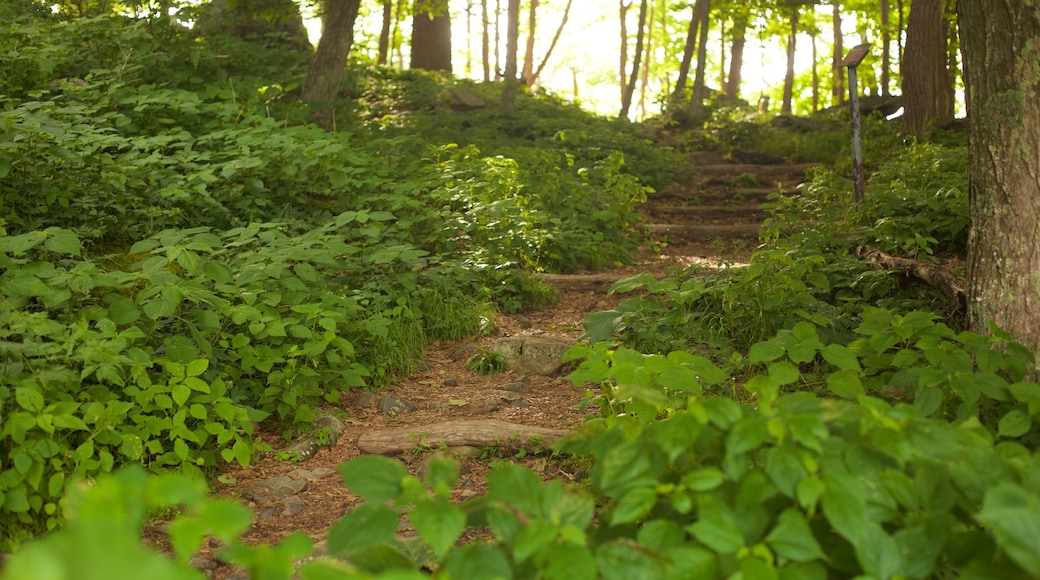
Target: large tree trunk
pixel 736 57
pixel 512 40
pixel 431 37
pixel 792 38
pixel 838 71
pixel 325 73
pixel 630 86
pixel 927 91
pixel 1000 42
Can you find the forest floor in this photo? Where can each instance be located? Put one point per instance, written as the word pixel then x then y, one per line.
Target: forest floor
pixel 710 220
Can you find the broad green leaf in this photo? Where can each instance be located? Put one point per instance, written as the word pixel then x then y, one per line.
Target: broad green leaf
pixel 841 357
pixel 533 538
pixel 928 400
pixel 180 393
pixel 624 467
pixel 1014 424
pixel 306 272
pixel 783 373
pixel 478 561
pixel 197 367
pixel 719 534
pixel 793 539
pixel 62 241
pixel 878 553
pixel 845 383
pixel 765 388
pixel 567 562
pixel 747 434
pixel 439 522
pixel 705 479
pixel 29 398
pixel 1013 516
pixel 122 310
pixel 373 477
pixel 784 467
pixel 765 352
pixel 752 567
pixel 368 525
pixel 633 506
pixel 661 534
pixel 845 505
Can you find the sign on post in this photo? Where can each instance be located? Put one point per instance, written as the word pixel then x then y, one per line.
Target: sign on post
pixel 852 60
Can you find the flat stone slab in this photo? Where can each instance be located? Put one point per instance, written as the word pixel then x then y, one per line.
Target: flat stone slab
pixel 536 355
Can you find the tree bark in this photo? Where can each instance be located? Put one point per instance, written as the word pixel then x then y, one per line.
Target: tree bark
pixel 623 56
pixel 485 41
pixel 532 18
pixel 512 40
pixel 736 57
pixel 838 71
pixel 886 45
pixel 325 74
pixel 1000 43
pixel 644 71
pixel 699 92
pixel 630 86
pixel 927 92
pixel 431 37
pixel 384 33
pixel 691 45
pixel 792 39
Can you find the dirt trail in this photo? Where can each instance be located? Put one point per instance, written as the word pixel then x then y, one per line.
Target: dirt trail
pixel 710 220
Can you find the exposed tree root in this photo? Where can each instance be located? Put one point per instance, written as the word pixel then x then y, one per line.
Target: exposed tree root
pixel 952 285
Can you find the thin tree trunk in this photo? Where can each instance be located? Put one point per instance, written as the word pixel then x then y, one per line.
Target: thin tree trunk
pixel 630 87
pixel 556 39
pixel 528 73
pixel 815 76
pixel 485 41
pixel 838 71
pixel 736 59
pixel 792 38
pixel 699 92
pixel 886 44
pixel 899 32
pixel 691 45
pixel 644 73
pixel 498 38
pixel 469 36
pixel 396 36
pixel 384 33
pixel 325 73
pixel 623 57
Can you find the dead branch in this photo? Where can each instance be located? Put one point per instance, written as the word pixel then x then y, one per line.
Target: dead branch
pixel 952 285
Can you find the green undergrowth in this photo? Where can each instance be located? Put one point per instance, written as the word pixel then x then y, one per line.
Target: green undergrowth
pixel 183 259
pixel 812 467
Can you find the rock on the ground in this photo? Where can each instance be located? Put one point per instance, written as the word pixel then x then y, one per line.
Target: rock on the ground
pixel 393 406
pixel 367 400
pixel 278 487
pixel 537 355
pixel 463 101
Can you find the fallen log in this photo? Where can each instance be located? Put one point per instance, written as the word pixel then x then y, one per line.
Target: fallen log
pixel 478 433
pixel 952 285
pixel 598 283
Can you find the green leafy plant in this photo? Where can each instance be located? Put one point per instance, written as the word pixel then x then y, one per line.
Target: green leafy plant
pixel 486 363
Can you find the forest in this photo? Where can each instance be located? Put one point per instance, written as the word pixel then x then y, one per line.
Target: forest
pixel 274 309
